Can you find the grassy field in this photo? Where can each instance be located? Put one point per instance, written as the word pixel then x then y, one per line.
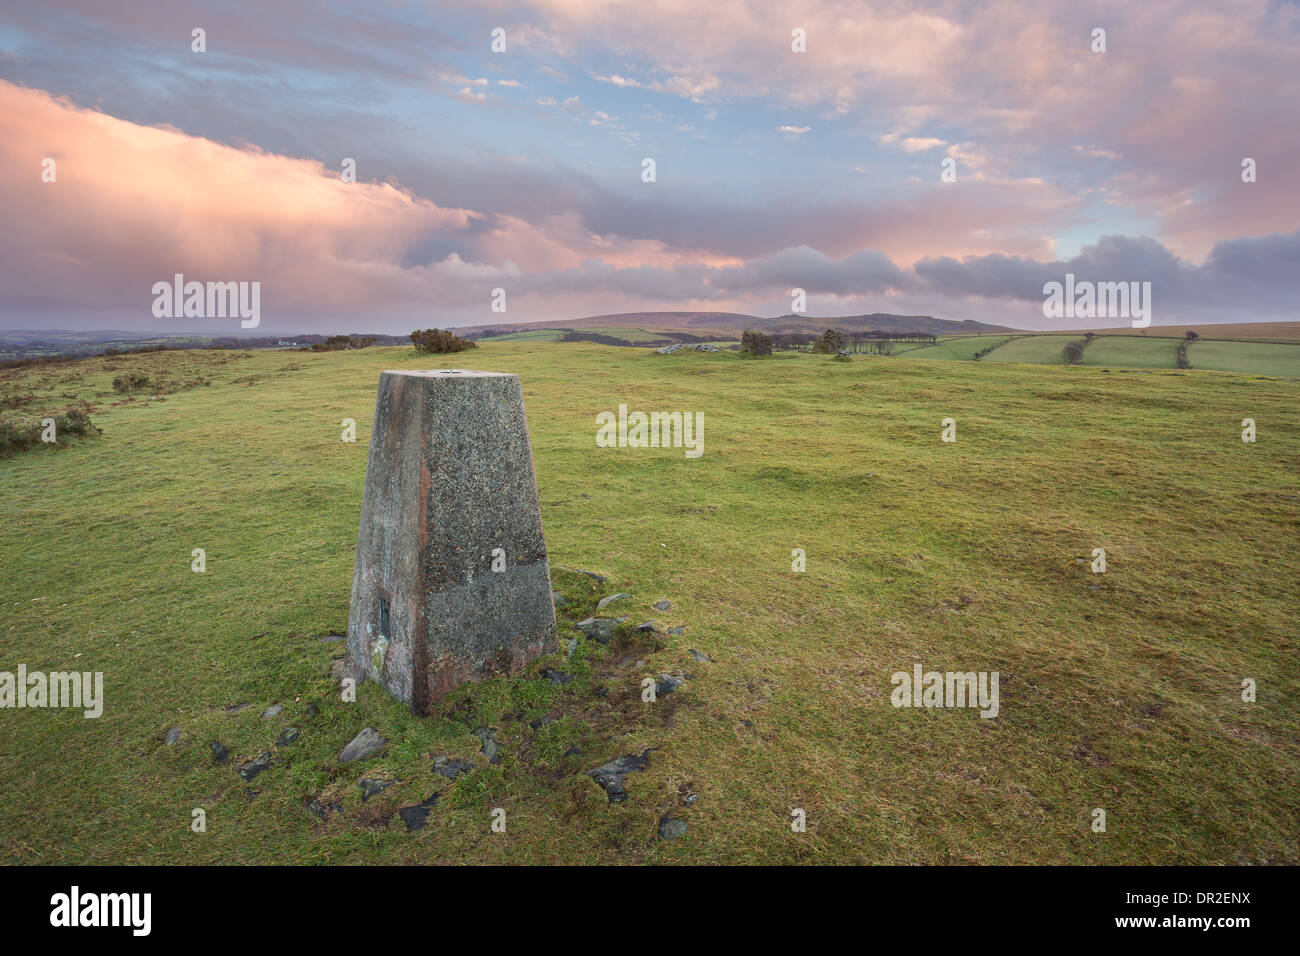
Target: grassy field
pixel 1119 690
pixel 1257 357
pixel 533 335
pixel 1034 349
pixel 1131 352
pixel 1228 331
pixel 1116 350
pixel 957 347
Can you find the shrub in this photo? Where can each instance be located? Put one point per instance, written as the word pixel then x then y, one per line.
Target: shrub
pixel 24 433
pixel 440 340
pixel 130 382
pixel 1073 353
pixel 756 343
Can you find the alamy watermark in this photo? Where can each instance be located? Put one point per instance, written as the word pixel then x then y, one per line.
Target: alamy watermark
pixel 950 689
pixel 179 299
pixel 651 430
pixel 75 908
pixel 80 690
pixel 1098 300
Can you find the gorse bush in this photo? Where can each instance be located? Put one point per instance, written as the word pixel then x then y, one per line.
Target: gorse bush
pixel 130 382
pixel 20 434
pixel 340 343
pixel 440 340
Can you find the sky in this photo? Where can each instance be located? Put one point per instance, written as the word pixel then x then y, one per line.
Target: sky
pixel 523 169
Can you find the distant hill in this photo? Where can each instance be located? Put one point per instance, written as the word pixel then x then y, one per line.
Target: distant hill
pixel 733 323
pixel 876 322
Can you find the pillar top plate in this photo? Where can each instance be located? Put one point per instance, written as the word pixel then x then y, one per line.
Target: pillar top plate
pixel 439 373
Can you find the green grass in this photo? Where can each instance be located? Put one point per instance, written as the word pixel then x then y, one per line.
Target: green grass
pixel 961 348
pixel 1258 357
pixel 1117 691
pixel 534 335
pixel 1132 352
pixel 1109 350
pixel 1034 349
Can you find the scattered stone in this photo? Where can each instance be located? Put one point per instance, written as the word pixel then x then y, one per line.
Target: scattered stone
pixel 371 787
pixel 598 578
pixel 451 769
pixel 573 752
pixel 331 638
pixel 611 775
pixel 667 684
pixel 572 647
pixel 747 723
pixel 695 347
pixel 173 737
pixel 287 736
pixel 701 657
pixel 690 798
pixel 607 601
pixel 312 710
pixel 272 711
pixel 237 708
pixel 362 745
pixel 646 627
pixel 490 745
pixel 676 631
pixel 416 817
pixel 251 769
pixel 602 692
pixel 219 753
pixel 664 605
pixel 670 828
pixel 338 669
pixel 324 808
pixel 557 678
pixel 600 629
pixel 558 599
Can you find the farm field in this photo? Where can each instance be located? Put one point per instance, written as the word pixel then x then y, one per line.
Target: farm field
pixel 1228 331
pixel 1118 690
pixel 1132 352
pixel 1258 357
pixel 1033 349
pixel 954 347
pixel 1278 358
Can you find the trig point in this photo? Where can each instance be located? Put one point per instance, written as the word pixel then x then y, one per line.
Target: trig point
pixel 452 582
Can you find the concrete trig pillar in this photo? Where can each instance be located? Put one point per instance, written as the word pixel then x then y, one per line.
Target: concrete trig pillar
pixel 450 495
